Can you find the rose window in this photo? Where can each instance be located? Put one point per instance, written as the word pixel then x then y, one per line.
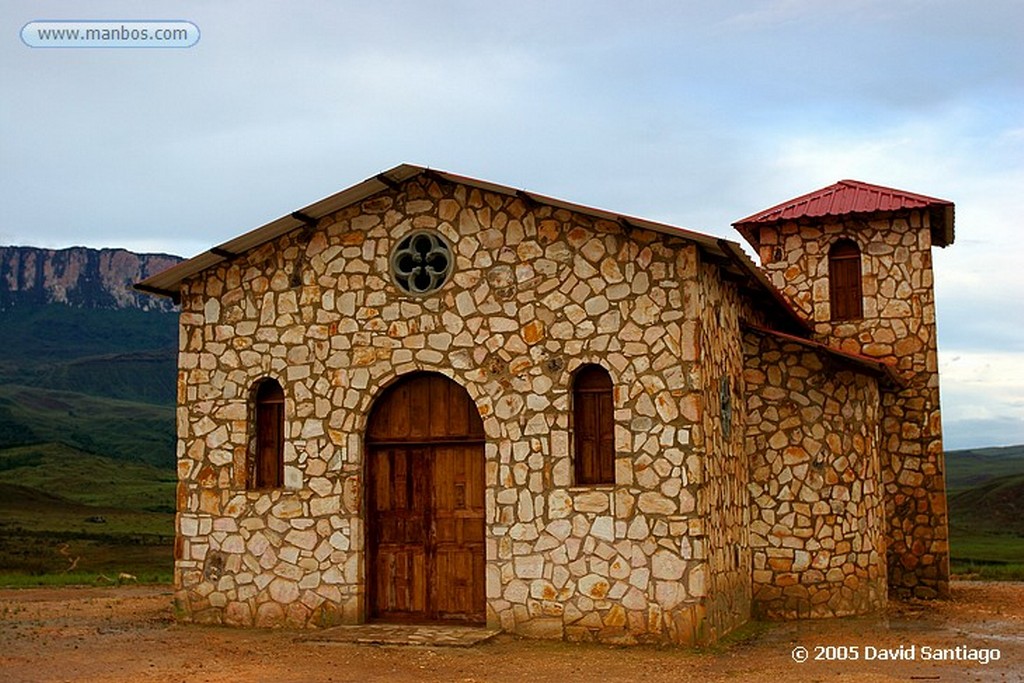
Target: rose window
pixel 421 262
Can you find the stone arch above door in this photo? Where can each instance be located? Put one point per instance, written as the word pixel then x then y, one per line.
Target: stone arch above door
pixel 453 415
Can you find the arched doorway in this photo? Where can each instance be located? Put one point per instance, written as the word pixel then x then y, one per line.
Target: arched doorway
pixel 425 503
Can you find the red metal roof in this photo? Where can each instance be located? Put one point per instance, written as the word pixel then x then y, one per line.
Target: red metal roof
pixel 852 197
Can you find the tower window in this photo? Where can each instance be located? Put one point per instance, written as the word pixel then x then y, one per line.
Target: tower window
pixel 847 301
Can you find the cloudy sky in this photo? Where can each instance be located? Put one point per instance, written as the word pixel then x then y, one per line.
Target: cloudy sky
pixel 693 113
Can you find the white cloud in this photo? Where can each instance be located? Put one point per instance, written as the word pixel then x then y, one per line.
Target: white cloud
pixel 982 397
pixel 996 377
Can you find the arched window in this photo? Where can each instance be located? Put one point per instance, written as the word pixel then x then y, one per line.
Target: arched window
pixel 593 426
pixel 266 470
pixel 844 281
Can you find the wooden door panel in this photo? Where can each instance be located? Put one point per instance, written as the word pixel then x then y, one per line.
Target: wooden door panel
pixel 401 580
pixel 426 530
pixel 398 523
pixel 459 550
pixel 422 408
pixel 458 588
pixel 437 393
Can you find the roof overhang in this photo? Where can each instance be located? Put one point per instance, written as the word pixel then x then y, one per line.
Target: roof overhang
pixel 883 371
pixel 728 255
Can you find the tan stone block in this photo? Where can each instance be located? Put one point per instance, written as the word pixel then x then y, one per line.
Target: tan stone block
pixel 533 332
pixel 615 617
pixel 696 584
pixel 238 614
pixel 541 627
pixel 666 564
pixel 592 501
pixel 787 580
pixel 594 586
pixel 652 502
pixel 560 504
pixel 287 508
pixel 209 501
pixel 793 455
pixel 603 528
pixel 690 407
pixel 270 615
pixel 543 590
pixel 529 567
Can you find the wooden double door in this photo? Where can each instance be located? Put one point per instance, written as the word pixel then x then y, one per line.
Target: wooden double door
pixel 425 507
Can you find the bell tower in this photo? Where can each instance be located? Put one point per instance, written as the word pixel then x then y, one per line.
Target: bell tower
pixel 855 260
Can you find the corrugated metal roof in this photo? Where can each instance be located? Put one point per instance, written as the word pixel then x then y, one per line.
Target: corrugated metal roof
pixel 728 254
pixel 852 197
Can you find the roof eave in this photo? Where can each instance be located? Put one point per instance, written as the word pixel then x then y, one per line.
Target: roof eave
pixel 770 293
pixel 822 204
pixel 170 280
pixel 884 371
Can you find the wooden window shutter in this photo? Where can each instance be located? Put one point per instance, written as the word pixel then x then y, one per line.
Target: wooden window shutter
pixel 844 281
pixel 593 427
pixel 268 470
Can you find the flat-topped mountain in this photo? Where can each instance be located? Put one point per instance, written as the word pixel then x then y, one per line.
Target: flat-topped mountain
pixel 79 277
pixel 85 360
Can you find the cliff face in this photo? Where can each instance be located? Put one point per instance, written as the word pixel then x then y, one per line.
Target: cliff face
pixel 79 277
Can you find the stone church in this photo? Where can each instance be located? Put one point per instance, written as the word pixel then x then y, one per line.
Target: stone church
pixel 430 398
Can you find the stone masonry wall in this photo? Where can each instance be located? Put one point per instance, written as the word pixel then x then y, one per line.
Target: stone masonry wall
pixel 536 291
pixel 725 499
pixel 899 328
pixel 818 520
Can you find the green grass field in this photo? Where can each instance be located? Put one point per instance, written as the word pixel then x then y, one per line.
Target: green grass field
pixel 89 479
pixel 986 512
pixel 71 517
pixel 986 529
pixel 124 430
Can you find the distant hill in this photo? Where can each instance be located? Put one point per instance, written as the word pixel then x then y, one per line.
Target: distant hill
pixel 986 511
pixel 128 354
pixel 85 360
pixel 998 504
pixel 970 467
pixel 127 430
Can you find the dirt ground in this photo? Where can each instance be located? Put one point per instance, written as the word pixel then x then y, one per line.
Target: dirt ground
pixel 128 634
